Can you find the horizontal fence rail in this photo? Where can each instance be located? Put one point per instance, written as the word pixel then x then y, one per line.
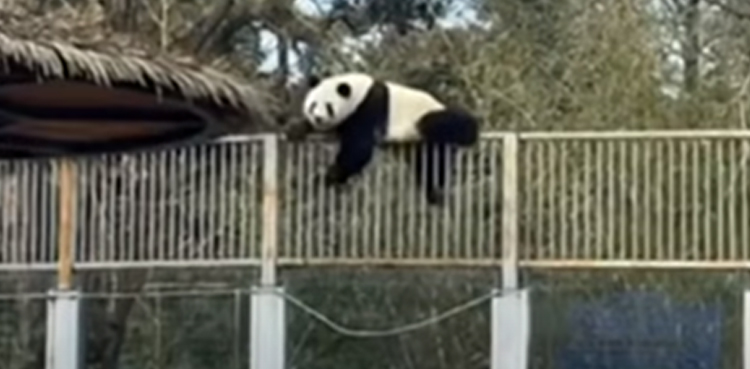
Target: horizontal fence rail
pixel 584 199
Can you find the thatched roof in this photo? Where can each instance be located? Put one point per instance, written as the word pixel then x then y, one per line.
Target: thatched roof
pixel 40 46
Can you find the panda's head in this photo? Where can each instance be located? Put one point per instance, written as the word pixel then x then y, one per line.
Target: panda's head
pixel 330 101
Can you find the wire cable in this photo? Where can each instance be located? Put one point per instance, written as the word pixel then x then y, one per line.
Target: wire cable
pixel 309 310
pixel 366 333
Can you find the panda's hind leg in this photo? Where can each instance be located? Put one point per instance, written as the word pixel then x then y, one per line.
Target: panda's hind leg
pixel 449 127
pixel 432 165
pixel 442 132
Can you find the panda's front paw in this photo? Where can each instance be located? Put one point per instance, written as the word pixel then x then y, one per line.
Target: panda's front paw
pixel 297 131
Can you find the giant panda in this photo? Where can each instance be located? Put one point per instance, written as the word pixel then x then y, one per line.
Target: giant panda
pixel 365 111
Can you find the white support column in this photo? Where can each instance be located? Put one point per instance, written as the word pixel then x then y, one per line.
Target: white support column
pixel 510 212
pixel 267 304
pixel 746 331
pixel 510 307
pixel 269 241
pixel 510 330
pixel 64 345
pixel 268 328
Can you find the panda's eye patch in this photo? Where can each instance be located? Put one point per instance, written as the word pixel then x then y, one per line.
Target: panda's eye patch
pixel 329 107
pixel 344 89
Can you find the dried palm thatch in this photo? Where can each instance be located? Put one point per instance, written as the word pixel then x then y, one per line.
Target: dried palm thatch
pixel 69 44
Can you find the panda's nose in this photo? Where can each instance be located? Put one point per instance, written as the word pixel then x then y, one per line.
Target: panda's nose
pixel 318 120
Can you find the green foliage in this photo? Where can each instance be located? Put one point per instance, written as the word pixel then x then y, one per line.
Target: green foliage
pixel 361 16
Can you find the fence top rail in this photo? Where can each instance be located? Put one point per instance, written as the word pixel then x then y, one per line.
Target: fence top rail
pixel 557 135
pixel 638 135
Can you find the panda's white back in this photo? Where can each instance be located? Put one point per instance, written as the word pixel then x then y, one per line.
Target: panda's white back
pixel 406 106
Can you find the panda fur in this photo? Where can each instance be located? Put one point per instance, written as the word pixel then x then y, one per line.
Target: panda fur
pixel 365 111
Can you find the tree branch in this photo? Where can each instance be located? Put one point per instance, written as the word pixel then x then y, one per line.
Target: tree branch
pixel 731 10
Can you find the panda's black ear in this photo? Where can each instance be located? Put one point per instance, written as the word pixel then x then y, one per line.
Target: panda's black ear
pixel 313 80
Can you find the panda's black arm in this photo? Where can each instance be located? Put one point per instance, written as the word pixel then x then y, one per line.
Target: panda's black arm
pixel 355 152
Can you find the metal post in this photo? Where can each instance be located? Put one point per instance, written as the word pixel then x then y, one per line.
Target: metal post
pixel 267 304
pixel 510 211
pixel 510 330
pixel 270 210
pixel 64 348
